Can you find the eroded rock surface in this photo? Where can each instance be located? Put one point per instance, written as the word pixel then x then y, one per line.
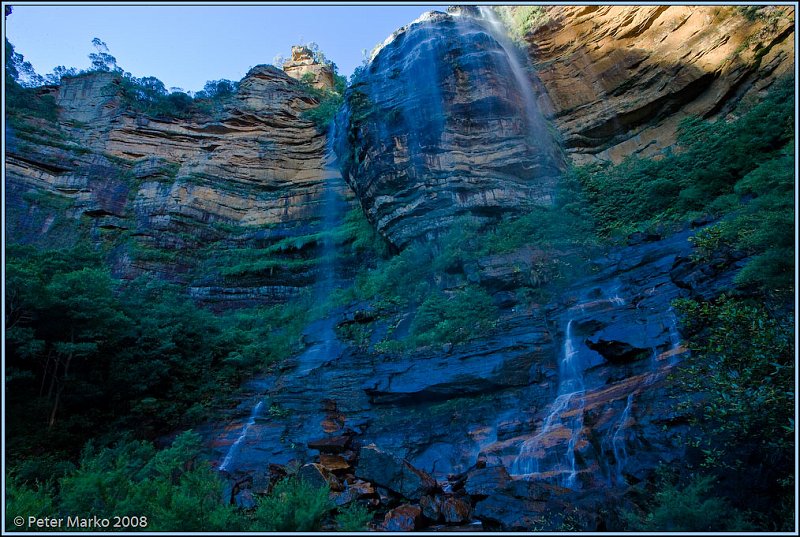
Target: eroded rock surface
pixel 184 198
pixel 436 128
pixel 620 78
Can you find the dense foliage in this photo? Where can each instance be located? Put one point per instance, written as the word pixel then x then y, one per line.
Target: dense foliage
pixel 740 170
pixel 89 354
pixel 144 489
pixel 738 388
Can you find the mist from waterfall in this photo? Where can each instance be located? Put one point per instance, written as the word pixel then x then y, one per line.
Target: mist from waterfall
pixel 536 122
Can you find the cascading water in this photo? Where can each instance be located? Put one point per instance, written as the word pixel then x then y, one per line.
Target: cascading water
pixel 323 341
pixel 565 412
pixel 323 345
pixel 236 446
pixel 674 337
pixel 618 442
pixel 536 123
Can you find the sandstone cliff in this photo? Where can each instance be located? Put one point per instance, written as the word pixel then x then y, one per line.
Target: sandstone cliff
pixel 186 198
pixel 620 78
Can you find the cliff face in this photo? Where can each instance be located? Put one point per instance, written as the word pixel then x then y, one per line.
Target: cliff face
pixel 176 196
pixel 442 124
pixel 620 78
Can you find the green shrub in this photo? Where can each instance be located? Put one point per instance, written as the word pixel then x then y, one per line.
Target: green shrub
pixel 464 314
pixel 293 505
pixel 688 508
pixel 354 517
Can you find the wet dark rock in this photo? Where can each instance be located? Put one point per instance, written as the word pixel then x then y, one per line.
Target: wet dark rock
pixel 617 352
pixel 485 481
pixel 318 476
pixel 393 473
pixel 431 507
pixel 638 237
pixel 245 500
pixel 331 444
pixel 509 513
pixel 403 518
pixel 455 511
pixel 505 299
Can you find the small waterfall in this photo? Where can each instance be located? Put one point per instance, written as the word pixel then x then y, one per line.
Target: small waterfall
pixel 234 449
pixel 619 438
pixel 571 392
pixel 616 300
pixel 332 209
pixel 674 337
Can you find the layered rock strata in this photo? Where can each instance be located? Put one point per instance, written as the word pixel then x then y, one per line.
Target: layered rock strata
pixel 619 79
pixel 191 198
pixel 436 128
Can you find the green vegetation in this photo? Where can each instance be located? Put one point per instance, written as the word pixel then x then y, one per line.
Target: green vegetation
pixel 170 490
pixel 738 386
pixel 688 508
pixel 293 505
pixel 90 355
pixel 741 170
pixel 330 100
pixel 522 20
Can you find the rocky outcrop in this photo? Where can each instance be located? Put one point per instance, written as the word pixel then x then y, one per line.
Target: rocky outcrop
pixel 304 67
pixel 442 124
pixel 226 201
pixel 488 420
pixel 620 78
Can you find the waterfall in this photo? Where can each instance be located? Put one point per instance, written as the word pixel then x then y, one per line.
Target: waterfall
pixel 320 335
pixel 571 392
pixel 674 337
pixel 618 439
pixel 536 123
pixel 234 449
pixel 332 208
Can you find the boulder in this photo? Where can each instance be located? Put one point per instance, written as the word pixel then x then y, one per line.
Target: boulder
pixel 403 518
pixel 394 473
pixel 319 476
pixel 431 507
pixel 334 463
pixel 455 510
pixel 331 444
pixel 485 481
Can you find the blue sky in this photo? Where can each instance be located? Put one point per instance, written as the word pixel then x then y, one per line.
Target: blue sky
pixel 186 45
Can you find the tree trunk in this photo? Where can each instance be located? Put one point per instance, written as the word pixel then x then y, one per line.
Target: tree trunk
pixel 61 384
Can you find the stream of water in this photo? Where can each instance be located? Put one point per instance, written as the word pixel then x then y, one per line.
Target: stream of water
pixel 236 446
pixel 322 343
pixel 566 413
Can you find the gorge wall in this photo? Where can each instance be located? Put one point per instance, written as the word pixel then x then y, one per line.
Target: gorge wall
pixel 435 130
pixel 185 198
pixel 620 78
